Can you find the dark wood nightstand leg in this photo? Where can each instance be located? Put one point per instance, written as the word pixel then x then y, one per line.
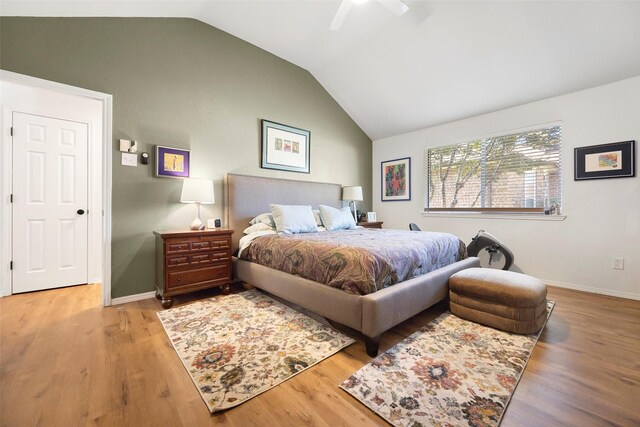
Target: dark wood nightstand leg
pixel 226 290
pixel 166 302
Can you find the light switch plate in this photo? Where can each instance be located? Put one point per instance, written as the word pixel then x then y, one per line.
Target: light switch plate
pixel 129 159
pixel 125 145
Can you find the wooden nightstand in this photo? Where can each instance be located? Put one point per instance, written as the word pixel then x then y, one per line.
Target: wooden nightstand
pixel 188 261
pixel 373 224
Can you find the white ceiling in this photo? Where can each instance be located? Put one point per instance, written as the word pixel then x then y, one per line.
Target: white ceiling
pixel 439 62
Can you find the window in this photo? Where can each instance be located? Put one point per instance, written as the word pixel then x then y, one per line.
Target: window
pixel 519 172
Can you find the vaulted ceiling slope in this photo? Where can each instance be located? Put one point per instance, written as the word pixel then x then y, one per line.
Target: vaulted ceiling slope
pixel 439 62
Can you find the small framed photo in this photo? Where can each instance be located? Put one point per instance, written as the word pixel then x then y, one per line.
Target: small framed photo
pixel 172 162
pixel 615 160
pixel 285 148
pixel 371 217
pixel 396 180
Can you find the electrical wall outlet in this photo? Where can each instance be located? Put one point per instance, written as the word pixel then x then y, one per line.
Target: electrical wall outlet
pixel 618 264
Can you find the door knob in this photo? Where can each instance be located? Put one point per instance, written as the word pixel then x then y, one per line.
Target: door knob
pixel 80 211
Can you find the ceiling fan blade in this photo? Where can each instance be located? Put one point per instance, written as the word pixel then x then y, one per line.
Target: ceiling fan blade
pixel 396 6
pixel 341 14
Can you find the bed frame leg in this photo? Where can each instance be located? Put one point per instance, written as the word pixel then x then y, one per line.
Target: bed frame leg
pixel 372 344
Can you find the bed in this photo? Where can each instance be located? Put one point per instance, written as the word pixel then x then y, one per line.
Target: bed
pixel 373 313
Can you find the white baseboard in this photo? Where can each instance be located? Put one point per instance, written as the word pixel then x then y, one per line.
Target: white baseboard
pixel 608 292
pixel 132 298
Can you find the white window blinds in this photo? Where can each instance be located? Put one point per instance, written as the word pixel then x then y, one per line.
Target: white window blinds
pixel 520 172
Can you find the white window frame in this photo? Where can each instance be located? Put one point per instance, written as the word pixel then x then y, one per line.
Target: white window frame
pixel 499 213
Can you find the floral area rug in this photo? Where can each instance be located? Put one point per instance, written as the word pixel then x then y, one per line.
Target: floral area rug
pixel 238 346
pixel 452 372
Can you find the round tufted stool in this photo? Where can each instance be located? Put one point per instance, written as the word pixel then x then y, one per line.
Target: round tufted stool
pixel 505 300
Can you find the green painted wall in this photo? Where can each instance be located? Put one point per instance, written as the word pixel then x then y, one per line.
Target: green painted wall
pixel 182 83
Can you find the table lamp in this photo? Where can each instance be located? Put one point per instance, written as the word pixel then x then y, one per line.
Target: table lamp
pixel 353 194
pixel 198 191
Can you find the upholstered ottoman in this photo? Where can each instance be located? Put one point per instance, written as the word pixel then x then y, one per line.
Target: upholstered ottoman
pixel 505 300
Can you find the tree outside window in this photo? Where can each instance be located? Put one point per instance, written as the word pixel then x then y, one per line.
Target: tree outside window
pixel 518 172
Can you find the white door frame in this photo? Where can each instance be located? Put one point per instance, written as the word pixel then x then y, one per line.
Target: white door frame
pixel 105 154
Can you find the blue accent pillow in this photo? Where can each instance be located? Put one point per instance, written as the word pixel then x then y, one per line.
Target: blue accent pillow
pixel 337 219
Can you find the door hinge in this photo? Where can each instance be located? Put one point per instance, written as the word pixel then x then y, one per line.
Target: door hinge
pixel 10 265
pixel 11 198
pixel 11 130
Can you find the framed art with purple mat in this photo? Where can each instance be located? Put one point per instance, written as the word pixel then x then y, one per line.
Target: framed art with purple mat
pixel 172 162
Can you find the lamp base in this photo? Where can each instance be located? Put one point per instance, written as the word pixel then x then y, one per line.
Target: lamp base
pixel 197 224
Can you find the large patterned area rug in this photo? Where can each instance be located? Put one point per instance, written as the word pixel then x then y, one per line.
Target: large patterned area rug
pixel 452 372
pixel 238 346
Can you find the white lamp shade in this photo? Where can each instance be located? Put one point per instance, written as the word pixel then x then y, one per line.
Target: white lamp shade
pixel 197 190
pixel 352 193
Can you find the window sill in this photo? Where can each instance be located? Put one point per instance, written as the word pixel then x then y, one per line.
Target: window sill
pixel 475 215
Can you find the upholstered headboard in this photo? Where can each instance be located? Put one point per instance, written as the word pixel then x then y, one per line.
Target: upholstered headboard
pixel 248 196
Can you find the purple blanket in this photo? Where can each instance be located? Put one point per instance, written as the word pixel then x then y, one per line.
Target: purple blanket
pixel 358 261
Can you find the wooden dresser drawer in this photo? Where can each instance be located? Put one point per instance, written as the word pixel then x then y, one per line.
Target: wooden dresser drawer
pixel 177 261
pixel 221 273
pixel 196 244
pixel 198 259
pixel 209 243
pixel 175 246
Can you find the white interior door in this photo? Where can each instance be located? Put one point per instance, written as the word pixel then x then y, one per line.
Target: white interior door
pixel 49 203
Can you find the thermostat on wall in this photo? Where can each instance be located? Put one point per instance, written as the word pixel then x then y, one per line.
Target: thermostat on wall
pixel 129 159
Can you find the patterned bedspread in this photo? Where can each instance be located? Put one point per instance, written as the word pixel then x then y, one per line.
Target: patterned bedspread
pixel 358 261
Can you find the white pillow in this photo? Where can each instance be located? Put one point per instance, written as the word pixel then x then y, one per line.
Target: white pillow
pixel 337 219
pixel 291 219
pixel 261 226
pixel 318 218
pixel 265 218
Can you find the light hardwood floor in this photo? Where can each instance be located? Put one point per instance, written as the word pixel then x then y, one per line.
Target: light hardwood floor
pixel 65 361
